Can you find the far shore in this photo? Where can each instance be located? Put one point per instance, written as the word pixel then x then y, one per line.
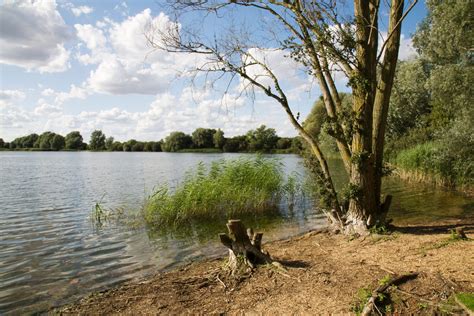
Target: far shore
pixel 182 151
pixel 326 274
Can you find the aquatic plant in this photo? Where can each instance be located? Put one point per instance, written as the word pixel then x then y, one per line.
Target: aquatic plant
pixel 225 188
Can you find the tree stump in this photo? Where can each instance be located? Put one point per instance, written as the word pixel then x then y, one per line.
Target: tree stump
pixel 245 250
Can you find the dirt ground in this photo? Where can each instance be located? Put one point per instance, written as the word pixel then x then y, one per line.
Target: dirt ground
pixel 327 274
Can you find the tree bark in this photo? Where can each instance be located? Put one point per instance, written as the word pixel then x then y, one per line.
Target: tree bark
pixel 245 249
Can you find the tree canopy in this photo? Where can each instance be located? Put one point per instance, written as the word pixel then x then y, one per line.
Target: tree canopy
pixel 97 141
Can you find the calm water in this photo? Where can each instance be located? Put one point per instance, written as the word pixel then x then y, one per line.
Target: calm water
pixel 52 253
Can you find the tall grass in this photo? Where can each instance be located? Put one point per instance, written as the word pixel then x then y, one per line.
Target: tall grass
pixel 226 188
pixel 439 163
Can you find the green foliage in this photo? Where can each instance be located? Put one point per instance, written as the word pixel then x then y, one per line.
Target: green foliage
pixel 117 146
pixel 138 146
pixel 382 302
pixel 203 137
pixel 316 184
pixel 442 36
pixel 74 140
pixel 100 215
pixel 385 279
pixel 109 143
pixel 177 141
pixel 207 140
pixel 284 143
pixel 361 298
pixel 378 229
pixel 218 139
pixel 44 141
pixel 97 141
pixel 449 159
pixel 26 141
pixel 321 127
pixel 57 142
pixel 351 191
pixel 262 139
pixel 236 144
pixel 226 188
pixel 409 103
pixel 430 128
pixel 467 299
pixel 315 119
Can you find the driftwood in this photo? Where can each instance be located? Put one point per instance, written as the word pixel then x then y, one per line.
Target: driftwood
pixel 370 305
pixel 245 250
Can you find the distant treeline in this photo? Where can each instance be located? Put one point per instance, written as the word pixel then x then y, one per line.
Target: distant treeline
pixel 262 139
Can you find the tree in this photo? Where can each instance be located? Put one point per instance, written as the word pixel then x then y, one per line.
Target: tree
pixel 138 146
pixel 156 147
pixel 441 42
pixel 177 141
pixel 148 146
pixel 44 141
pixel 109 143
pixel 321 36
pixel 128 146
pixel 262 139
pixel 57 142
pixel 283 143
pixel 97 141
pixel 2 143
pixel 218 139
pixel 74 140
pixel 117 146
pixel 203 137
pixel 410 100
pixel 26 141
pixel 236 144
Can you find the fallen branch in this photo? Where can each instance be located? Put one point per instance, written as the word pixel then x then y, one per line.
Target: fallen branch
pixel 370 305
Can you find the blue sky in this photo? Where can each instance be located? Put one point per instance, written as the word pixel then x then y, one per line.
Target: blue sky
pixel 85 65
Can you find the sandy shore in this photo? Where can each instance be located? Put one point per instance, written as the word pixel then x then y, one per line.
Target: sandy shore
pixel 327 274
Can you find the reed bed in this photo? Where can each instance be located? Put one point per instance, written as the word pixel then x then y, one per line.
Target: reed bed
pixel 224 189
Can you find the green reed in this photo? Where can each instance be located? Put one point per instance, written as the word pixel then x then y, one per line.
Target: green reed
pixel 224 189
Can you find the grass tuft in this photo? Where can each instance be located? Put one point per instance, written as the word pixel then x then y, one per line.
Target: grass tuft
pixel 224 189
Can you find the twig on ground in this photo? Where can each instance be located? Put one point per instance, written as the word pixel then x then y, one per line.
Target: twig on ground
pixel 370 305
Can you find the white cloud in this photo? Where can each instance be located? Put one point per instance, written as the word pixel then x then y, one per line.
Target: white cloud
pixel 77 11
pixel 74 93
pixel 125 63
pixel 33 35
pixel 45 109
pixel 47 92
pixel 407 51
pixel 7 97
pixel 61 97
pixel 92 36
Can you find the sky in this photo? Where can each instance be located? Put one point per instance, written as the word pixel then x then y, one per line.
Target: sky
pixel 86 65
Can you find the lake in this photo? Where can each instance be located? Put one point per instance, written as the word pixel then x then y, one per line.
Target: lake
pixel 51 252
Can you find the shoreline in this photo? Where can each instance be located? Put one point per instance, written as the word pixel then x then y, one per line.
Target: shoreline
pixel 325 275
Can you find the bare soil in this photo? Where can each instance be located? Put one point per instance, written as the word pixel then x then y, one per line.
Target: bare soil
pixel 326 274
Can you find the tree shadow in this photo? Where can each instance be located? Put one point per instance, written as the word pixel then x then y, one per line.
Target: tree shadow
pixel 433 229
pixel 294 263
